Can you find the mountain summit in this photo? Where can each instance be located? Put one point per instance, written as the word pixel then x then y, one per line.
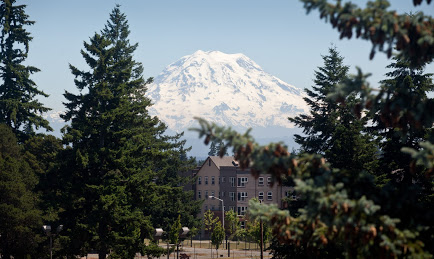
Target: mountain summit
pixel 229 89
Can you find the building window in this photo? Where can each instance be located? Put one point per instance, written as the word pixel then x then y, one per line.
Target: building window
pixel 212 180
pixel 212 194
pixel 206 207
pixel 212 207
pixel 232 208
pixel 206 194
pixel 232 195
pixel 199 180
pixel 206 180
pixel 242 211
pixel 242 196
pixel 209 162
pixel 232 181
pixel 243 224
pixel 269 180
pixel 261 196
pixel 199 195
pixel 261 181
pixel 223 194
pixel 242 181
pixel 269 196
pixel 223 179
pixel 219 179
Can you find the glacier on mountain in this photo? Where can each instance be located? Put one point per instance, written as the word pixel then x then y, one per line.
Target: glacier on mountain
pixel 229 89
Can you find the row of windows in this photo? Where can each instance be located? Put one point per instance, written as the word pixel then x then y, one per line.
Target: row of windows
pixel 242 181
pixel 242 196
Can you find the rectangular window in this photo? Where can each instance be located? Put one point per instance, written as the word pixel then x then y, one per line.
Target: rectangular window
pixel 212 193
pixel 223 194
pixel 269 196
pixel 232 208
pixel 242 181
pixel 212 180
pixel 242 211
pixel 269 180
pixel 219 179
pixel 261 196
pixel 206 194
pixel 206 207
pixel 243 224
pixel 261 181
pixel 206 180
pixel 242 196
pixel 232 195
pixel 232 181
pixel 223 179
pixel 199 195
pixel 199 180
pixel 212 207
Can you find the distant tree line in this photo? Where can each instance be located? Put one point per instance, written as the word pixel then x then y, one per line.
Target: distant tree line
pixel 111 179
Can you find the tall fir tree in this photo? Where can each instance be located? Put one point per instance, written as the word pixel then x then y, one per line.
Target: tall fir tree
pixel 407 188
pixel 405 87
pixel 20 217
pixel 121 177
pixel 333 129
pixel 19 108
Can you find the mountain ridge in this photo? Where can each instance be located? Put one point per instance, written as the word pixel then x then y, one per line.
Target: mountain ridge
pixel 229 89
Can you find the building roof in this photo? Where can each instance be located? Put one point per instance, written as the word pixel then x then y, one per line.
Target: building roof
pixel 224 161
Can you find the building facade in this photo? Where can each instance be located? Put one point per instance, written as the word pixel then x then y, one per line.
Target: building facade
pixel 224 179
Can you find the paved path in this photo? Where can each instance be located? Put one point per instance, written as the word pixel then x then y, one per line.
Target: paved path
pixel 206 253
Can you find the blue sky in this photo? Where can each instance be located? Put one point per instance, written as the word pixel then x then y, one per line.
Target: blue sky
pixel 278 35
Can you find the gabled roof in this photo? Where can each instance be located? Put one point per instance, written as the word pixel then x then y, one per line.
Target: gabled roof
pixel 223 161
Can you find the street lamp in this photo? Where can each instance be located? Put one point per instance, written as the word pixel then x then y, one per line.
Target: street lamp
pixel 223 210
pixel 47 230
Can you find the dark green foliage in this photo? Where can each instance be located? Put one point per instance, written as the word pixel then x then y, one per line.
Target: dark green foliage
pixel 332 129
pixel 20 218
pixel 343 212
pixel 397 119
pixel 340 216
pixel 18 107
pixel 120 176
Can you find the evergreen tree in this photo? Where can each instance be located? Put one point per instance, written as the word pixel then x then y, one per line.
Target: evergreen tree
pixel 343 214
pixel 409 87
pixel 212 149
pixel 20 218
pixel 122 169
pixel 217 148
pixel 18 107
pixel 333 129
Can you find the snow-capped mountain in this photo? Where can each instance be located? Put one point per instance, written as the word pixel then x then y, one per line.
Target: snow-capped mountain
pixel 229 89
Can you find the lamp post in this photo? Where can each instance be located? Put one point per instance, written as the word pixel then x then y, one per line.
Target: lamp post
pixel 223 210
pixel 47 230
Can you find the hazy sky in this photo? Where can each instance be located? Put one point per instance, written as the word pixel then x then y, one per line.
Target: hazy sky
pixel 277 34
